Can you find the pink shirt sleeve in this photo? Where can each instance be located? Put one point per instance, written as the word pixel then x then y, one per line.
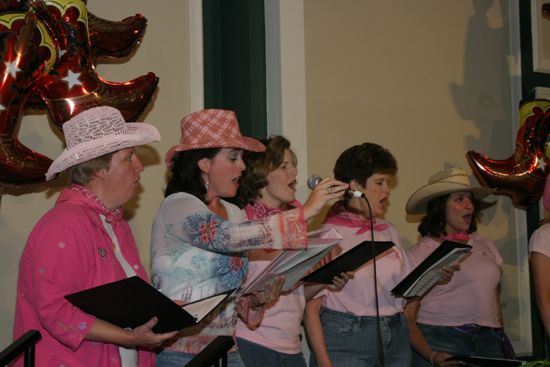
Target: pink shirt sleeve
pixel 540 240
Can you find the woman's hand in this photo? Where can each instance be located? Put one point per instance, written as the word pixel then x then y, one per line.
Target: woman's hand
pixel 447 272
pixel 439 359
pixel 340 281
pixel 143 336
pixel 328 189
pixel 269 295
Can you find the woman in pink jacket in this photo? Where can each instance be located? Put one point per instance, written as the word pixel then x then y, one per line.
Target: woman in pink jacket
pixel 84 242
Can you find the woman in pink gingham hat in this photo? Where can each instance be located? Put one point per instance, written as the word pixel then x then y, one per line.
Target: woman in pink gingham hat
pixel 85 242
pixel 199 240
pixel 539 255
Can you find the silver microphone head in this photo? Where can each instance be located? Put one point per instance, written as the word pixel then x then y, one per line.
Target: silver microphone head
pixel 313 180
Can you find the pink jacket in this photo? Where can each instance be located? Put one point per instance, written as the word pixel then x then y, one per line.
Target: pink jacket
pixel 69 251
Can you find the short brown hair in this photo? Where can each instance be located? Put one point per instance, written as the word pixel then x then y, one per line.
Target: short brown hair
pixel 84 172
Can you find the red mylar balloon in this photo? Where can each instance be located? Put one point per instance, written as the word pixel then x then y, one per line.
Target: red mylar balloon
pixel 27 53
pixel 109 40
pixel 51 57
pixel 115 38
pixel 74 85
pixel 519 176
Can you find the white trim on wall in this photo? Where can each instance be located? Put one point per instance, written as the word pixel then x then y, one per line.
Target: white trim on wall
pixel 286 80
pixel 523 346
pixel 196 64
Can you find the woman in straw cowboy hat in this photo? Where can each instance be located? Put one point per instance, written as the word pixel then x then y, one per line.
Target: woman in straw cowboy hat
pixel 363 324
pixel 462 317
pixel 199 240
pixel 85 242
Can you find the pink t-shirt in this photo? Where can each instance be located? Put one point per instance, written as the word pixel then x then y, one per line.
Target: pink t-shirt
pixel 540 240
pixel 357 297
pixel 281 325
pixel 471 296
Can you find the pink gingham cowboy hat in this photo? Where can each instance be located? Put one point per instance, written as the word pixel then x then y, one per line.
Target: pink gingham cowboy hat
pixel 212 128
pixel 98 131
pixel 442 183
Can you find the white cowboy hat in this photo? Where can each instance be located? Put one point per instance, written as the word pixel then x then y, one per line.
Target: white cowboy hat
pixel 98 131
pixel 442 183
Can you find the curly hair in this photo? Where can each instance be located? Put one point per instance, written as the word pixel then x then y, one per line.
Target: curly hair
pixel 186 174
pixel 259 165
pixel 434 222
pixel 359 162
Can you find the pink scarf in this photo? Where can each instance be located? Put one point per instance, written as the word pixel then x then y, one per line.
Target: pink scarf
pixel 462 237
pixel 338 215
pixel 110 215
pixel 258 210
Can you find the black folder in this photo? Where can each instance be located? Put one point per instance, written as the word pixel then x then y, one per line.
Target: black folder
pixel 348 261
pixel 422 278
pixel 486 362
pixel 131 302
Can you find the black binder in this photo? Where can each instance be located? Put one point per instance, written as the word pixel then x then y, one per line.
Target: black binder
pixel 348 261
pixel 422 278
pixel 486 362
pixel 131 302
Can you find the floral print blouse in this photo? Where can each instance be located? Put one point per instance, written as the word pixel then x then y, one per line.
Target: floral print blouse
pixel 197 254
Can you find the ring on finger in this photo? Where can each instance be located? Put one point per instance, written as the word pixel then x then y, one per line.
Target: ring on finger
pixel 329 190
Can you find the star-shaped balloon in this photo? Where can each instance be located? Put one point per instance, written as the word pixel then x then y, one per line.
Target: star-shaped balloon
pixel 49 50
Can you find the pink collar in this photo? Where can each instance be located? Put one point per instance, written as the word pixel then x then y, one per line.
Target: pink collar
pixel 110 215
pixel 462 237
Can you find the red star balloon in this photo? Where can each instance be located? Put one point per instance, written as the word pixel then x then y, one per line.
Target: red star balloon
pixel 49 49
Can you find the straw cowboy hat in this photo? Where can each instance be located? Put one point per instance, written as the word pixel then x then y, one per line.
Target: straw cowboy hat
pixel 212 128
pixel 96 132
pixel 442 183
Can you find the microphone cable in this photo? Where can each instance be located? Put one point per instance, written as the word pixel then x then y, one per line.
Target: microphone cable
pixel 311 183
pixel 381 356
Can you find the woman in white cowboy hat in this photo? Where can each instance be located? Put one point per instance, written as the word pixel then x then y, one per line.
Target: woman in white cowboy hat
pixel 199 240
pixel 85 242
pixel 462 317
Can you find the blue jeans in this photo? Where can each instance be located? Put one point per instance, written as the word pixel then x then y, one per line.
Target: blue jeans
pixel 482 343
pixel 254 355
pixel 352 341
pixel 168 358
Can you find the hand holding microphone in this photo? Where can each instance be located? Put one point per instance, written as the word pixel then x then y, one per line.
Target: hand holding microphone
pixel 323 190
pixel 313 180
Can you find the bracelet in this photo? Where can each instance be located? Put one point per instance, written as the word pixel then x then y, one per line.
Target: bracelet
pixel 432 357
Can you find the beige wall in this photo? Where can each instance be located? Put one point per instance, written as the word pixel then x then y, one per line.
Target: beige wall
pixel 164 51
pixel 429 80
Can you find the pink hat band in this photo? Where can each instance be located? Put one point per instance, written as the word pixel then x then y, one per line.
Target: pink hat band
pixel 212 128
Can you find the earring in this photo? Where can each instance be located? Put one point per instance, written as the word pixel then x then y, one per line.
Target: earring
pixel 206 183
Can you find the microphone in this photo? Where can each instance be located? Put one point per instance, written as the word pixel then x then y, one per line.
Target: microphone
pixel 314 180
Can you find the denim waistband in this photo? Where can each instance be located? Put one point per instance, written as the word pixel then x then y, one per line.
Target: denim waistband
pixel 395 318
pixel 473 328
